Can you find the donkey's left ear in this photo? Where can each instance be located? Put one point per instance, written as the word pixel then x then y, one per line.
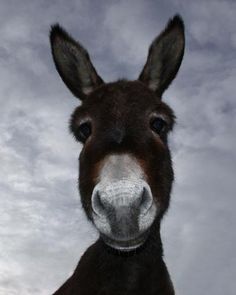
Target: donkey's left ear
pixel 164 57
pixel 73 63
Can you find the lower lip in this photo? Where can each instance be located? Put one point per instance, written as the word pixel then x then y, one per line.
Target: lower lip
pixel 125 249
pixel 127 245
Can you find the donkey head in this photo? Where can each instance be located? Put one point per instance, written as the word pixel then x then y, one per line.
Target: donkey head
pixel 125 166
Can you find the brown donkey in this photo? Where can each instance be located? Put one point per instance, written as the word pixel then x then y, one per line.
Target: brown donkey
pixel 125 171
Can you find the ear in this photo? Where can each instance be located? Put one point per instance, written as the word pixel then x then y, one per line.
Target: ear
pixel 73 63
pixel 164 57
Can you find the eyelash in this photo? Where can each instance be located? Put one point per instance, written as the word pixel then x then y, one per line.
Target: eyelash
pixel 158 125
pixel 83 131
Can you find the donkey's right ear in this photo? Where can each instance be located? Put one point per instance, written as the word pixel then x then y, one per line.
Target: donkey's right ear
pixel 73 63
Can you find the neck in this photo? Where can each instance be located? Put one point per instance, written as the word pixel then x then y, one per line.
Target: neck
pixel 103 270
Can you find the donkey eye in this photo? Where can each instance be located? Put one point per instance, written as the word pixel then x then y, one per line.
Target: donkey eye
pixel 158 125
pixel 84 131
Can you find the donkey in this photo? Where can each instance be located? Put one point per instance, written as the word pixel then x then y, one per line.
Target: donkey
pixel 125 169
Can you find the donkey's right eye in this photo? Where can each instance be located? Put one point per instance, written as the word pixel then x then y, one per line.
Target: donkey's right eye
pixel 84 131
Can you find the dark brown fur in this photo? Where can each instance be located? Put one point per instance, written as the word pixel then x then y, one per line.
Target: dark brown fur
pixel 120 113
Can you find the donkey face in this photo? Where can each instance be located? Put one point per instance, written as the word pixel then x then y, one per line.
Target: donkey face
pixel 125 165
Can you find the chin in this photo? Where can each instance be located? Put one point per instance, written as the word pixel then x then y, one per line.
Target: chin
pixel 125 244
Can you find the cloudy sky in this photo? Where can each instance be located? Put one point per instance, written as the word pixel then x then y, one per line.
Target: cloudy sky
pixel 43 231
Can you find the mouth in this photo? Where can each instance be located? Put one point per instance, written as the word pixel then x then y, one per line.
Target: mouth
pixel 125 245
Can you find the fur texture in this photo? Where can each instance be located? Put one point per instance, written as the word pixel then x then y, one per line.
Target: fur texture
pixel 119 119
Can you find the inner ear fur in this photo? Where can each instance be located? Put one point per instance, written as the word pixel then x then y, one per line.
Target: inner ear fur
pixel 164 57
pixel 73 63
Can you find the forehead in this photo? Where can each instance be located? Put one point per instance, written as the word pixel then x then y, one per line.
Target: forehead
pixel 122 99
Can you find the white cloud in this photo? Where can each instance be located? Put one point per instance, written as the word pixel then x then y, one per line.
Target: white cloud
pixel 213 22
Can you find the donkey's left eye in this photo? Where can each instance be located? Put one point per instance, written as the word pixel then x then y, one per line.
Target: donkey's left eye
pixel 158 125
pixel 84 131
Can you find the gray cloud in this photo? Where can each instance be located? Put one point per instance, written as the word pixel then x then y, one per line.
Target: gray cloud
pixel 42 227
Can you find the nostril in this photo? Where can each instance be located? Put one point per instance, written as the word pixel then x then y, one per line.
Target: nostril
pixel 97 204
pixel 146 201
